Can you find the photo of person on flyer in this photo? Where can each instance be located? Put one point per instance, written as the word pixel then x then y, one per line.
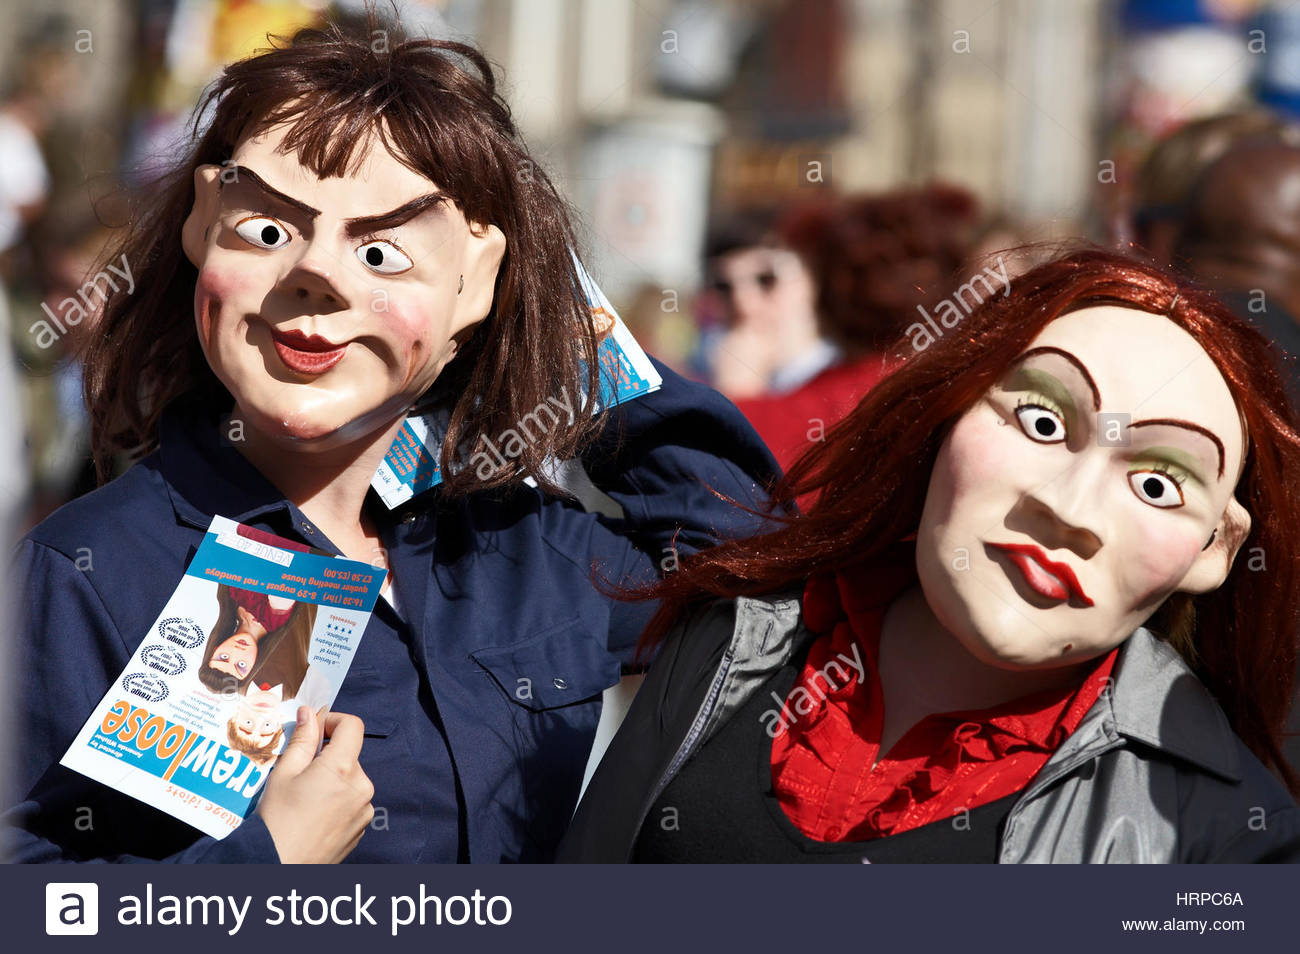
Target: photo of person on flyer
pixel 256 632
pixel 264 662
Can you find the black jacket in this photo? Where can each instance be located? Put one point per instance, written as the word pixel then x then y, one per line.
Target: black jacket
pixel 1153 773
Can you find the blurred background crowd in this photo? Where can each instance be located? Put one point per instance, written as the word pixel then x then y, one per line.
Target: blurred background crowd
pixel 773 192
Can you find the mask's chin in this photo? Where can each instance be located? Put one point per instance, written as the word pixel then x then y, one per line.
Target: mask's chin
pixel 324 425
pixel 315 418
pixel 987 628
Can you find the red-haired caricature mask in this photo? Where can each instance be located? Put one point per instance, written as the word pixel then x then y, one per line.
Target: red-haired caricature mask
pixel 324 315
pixel 1079 493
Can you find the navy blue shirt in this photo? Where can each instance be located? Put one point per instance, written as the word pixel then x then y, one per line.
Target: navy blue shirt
pixel 480 693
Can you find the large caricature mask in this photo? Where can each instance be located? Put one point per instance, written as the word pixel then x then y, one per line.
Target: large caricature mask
pixel 327 306
pixel 1050 530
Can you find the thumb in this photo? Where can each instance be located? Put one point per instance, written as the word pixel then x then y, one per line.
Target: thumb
pixel 301 749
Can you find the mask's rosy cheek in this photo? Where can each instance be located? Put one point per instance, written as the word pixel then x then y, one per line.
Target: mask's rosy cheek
pixel 213 287
pixel 1157 559
pixel 412 332
pixel 983 451
pixel 979 459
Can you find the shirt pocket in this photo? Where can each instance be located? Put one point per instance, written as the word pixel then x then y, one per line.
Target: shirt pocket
pixel 360 690
pixel 561 665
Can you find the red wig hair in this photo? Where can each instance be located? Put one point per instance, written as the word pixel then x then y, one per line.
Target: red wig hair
pixel 869 478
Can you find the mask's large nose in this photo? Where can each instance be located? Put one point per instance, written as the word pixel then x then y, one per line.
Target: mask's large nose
pixel 1067 509
pixel 316 281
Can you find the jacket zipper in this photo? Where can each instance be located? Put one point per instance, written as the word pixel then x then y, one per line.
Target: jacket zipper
pixel 688 744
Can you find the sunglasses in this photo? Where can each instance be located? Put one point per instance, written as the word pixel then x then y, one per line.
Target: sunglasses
pixel 766 280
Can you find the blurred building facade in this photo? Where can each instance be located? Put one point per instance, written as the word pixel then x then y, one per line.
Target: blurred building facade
pixel 656 111
pixel 654 115
pixel 653 112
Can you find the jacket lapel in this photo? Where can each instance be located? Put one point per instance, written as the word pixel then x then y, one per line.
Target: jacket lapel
pixel 1158 701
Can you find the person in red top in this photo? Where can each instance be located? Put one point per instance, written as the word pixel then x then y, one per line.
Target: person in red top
pixel 862 267
pixel 789 422
pixel 272 612
pixel 1010 627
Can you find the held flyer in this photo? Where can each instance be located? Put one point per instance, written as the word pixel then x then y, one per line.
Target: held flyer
pixel 411 465
pixel 258 626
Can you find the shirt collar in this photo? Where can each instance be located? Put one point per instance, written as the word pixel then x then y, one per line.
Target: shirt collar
pixel 206 475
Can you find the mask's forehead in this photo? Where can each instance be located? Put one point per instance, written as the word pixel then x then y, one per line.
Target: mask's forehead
pixel 374 182
pixel 1144 366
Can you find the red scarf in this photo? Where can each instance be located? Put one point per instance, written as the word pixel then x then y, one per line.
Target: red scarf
pixel 829 732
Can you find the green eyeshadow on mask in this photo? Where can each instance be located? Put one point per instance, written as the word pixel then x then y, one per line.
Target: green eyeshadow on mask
pixel 1183 463
pixel 1051 387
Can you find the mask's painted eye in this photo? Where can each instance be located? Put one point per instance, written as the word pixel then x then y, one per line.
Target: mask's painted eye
pixel 262 231
pixel 1156 488
pixel 384 258
pixel 1040 423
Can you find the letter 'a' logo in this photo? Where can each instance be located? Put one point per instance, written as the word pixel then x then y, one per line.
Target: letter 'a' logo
pixel 71 907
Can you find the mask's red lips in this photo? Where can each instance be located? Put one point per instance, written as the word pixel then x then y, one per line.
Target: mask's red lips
pixel 307 354
pixel 301 342
pixel 1046 577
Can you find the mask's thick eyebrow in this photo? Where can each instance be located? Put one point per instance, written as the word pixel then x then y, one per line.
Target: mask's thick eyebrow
pixel 272 192
pixel 390 220
pixel 1187 425
pixel 1092 385
pixel 353 227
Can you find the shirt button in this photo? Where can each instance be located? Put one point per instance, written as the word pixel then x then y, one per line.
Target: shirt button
pixel 408 517
pixel 309 530
pixel 559 683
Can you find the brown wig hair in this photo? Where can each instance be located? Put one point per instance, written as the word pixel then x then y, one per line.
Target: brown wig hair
pixel 869 481
pixel 1170 170
pixel 434 105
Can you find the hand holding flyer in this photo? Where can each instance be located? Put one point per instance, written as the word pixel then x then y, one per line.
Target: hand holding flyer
pixel 317 808
pixel 258 627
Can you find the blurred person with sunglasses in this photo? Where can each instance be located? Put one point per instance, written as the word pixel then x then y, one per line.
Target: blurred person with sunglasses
pixel 767 297
pixel 822 303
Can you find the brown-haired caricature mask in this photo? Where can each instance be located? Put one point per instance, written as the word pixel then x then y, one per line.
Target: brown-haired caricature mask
pixel 328 306
pixel 1051 531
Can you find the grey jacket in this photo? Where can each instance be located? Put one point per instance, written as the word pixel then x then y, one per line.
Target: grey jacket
pixel 1153 773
